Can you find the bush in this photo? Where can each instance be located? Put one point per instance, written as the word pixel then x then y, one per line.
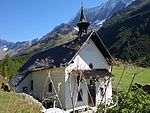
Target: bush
pixel 136 101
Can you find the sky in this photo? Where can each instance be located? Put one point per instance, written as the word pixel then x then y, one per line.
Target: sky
pixel 23 20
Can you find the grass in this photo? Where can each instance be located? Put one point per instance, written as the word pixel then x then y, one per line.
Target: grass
pixel 143 77
pixel 11 102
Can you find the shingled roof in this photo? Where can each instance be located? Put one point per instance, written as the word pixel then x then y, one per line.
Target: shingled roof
pixel 57 56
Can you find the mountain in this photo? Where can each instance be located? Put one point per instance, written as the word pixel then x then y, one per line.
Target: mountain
pixel 12 48
pixel 127 33
pixel 57 32
pixel 5 44
pixel 104 11
pixel 63 32
pixel 10 65
pixel 58 35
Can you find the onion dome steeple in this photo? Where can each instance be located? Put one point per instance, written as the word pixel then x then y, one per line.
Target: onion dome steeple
pixel 83 24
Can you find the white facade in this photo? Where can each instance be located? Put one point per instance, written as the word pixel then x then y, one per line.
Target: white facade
pixel 40 84
pixel 89 54
pixel 65 82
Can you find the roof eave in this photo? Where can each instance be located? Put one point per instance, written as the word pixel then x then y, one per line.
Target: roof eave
pixel 79 49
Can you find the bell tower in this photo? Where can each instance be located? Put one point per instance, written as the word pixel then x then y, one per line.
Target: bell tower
pixel 83 24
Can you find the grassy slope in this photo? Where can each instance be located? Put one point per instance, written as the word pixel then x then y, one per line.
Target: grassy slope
pixel 142 78
pixel 14 103
pixel 127 34
pixel 11 102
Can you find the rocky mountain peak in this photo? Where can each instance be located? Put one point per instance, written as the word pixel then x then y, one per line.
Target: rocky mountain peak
pixel 13 48
pixel 101 13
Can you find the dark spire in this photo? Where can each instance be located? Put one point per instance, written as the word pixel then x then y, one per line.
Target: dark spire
pixel 83 24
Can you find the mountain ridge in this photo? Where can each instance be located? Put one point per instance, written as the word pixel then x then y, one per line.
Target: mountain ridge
pixel 50 39
pixel 13 48
pixel 127 35
pixel 102 12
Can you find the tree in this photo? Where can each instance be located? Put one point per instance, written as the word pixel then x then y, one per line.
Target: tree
pixel 4 68
pixel 1 62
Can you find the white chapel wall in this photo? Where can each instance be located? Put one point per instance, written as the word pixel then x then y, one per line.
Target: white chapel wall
pixel 40 78
pixel 88 54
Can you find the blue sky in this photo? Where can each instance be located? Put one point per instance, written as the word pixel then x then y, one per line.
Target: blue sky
pixel 22 20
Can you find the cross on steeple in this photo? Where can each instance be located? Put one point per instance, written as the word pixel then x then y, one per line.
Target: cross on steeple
pixel 83 24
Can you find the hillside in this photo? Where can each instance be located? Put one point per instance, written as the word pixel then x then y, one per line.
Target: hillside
pixel 127 34
pixel 58 35
pixel 11 102
pixel 141 78
pixel 16 103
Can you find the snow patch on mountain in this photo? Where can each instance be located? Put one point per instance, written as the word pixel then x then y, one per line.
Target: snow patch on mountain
pixel 104 11
pixel 127 2
pixel 12 48
pixel 101 22
pixel 4 48
pixel 112 4
pixel 76 28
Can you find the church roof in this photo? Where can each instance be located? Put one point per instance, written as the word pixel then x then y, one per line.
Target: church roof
pixel 57 56
pixel 62 55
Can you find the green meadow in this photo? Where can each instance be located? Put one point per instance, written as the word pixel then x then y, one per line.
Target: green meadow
pixel 142 76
